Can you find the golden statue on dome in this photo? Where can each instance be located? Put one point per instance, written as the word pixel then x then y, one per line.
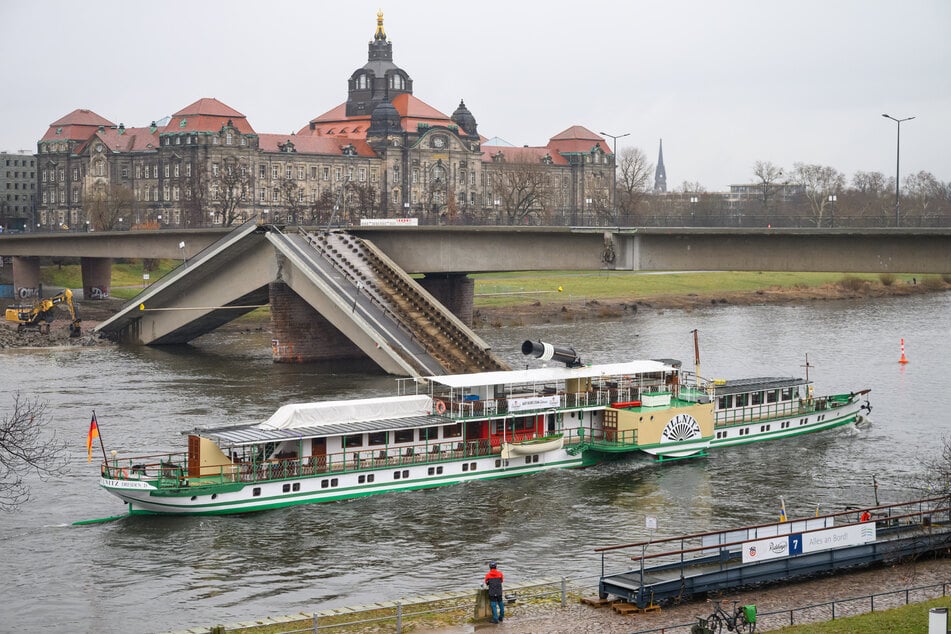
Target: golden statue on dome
pixel 380 33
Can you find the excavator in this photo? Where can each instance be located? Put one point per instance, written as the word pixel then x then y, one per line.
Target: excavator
pixel 40 314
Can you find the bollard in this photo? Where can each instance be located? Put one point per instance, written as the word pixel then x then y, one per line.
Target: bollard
pixel 564 592
pixel 399 617
pixel 482 608
pixel 938 621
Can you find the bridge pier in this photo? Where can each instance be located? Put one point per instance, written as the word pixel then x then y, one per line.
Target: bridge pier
pixel 97 277
pixel 301 335
pixel 26 278
pixel 455 291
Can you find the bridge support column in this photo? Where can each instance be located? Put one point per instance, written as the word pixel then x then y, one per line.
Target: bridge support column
pixel 455 291
pixel 301 334
pixel 26 278
pixel 97 277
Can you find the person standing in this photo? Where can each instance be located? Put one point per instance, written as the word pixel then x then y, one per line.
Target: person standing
pixel 493 581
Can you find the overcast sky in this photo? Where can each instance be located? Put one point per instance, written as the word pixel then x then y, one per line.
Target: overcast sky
pixel 723 83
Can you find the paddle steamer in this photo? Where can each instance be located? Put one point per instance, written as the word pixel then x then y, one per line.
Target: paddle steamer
pixel 450 429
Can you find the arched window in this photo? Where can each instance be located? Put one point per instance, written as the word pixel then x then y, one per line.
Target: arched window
pixel 361 82
pixel 396 81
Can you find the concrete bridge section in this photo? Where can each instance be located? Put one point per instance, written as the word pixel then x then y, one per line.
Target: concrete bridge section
pixel 332 297
pixel 488 249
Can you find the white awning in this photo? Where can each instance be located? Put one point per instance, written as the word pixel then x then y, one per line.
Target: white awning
pixel 547 375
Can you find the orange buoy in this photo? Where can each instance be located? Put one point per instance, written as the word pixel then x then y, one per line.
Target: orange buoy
pixel 903 360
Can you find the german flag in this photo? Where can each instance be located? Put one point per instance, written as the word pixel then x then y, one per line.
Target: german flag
pixel 93 434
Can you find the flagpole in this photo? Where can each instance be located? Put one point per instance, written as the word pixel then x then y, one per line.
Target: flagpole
pixel 105 460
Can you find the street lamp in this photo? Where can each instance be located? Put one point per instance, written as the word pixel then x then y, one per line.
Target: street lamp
pixel 614 138
pixel 897 163
pixel 832 199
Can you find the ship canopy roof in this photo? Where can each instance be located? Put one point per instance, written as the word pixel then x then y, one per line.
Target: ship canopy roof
pixel 300 415
pixel 550 374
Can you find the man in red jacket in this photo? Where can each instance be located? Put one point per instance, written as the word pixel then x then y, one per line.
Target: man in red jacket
pixel 493 581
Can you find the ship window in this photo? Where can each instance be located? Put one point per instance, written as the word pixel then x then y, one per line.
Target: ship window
pixel 472 466
pixel 362 479
pixel 742 400
pixel 772 396
pixel 787 394
pixel 333 482
pixel 396 475
pixel 194 497
pixel 531 459
pixel 429 433
pixel 376 438
pixel 256 491
pixel 286 488
pixel 437 470
pixel 757 398
pixel 452 431
pixel 296 486
pixel 404 435
pixel 324 484
pixel 353 440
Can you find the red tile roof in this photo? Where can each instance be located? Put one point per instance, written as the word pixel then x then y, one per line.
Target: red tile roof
pixel 313 144
pixel 522 154
pixel 78 125
pixel 578 139
pixel 131 139
pixel 335 122
pixel 82 117
pixel 207 115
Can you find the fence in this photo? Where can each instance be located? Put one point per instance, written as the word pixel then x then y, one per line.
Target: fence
pixel 830 610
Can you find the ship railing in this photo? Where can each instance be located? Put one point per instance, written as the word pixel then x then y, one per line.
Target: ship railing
pixel 607 438
pixel 159 469
pixel 747 414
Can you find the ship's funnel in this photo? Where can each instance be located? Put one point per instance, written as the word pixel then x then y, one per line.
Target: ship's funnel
pixel 548 352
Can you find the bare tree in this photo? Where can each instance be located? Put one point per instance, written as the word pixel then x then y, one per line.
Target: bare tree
pixel 518 184
pixel 230 188
pixel 361 201
pixel 818 182
pixel 871 198
pixel 27 445
pixel 633 181
pixel 768 183
pixel 936 477
pixel 293 203
pixel 927 198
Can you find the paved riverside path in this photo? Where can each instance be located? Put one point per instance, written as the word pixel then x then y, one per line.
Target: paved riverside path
pixel 577 618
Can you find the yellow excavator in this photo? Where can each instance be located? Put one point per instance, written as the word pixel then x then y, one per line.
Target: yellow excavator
pixel 40 314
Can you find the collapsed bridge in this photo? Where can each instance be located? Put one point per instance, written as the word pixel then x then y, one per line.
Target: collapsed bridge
pixel 333 296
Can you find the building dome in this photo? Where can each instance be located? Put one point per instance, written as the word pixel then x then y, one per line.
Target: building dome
pixel 464 119
pixel 384 120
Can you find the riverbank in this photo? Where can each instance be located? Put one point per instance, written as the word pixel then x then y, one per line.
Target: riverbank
pixel 520 309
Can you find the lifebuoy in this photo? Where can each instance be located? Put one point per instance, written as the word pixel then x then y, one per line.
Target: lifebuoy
pixel 124 473
pixel 440 407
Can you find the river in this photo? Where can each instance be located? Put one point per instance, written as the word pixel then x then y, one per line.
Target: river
pixel 157 574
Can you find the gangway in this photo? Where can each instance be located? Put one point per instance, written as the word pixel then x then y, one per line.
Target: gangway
pixel 768 553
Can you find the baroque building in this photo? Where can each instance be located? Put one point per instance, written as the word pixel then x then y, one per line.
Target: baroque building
pixel 383 153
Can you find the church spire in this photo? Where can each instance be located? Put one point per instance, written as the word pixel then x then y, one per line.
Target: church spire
pixel 660 174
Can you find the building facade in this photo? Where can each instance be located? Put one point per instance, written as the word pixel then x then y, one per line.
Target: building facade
pixel 383 153
pixel 17 190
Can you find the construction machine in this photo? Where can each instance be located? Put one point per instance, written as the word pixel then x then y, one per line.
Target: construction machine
pixel 40 314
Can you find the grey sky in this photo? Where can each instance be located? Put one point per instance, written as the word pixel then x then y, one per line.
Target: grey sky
pixel 723 83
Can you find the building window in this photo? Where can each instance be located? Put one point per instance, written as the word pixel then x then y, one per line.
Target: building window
pixel 228 138
pixel 214 169
pixel 175 193
pixel 262 195
pixel 301 175
pixel 188 169
pixel 363 174
pixel 326 173
pixel 274 171
pixel 337 174
pixel 289 172
pixel 177 169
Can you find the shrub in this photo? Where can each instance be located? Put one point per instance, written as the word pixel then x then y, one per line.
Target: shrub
pixel 887 279
pixel 932 283
pixel 852 283
pixel 946 277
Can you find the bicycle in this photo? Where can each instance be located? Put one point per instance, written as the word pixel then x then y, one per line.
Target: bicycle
pixel 743 618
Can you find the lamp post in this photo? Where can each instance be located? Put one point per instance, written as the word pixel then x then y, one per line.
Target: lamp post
pixel 614 138
pixel 897 164
pixel 832 199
